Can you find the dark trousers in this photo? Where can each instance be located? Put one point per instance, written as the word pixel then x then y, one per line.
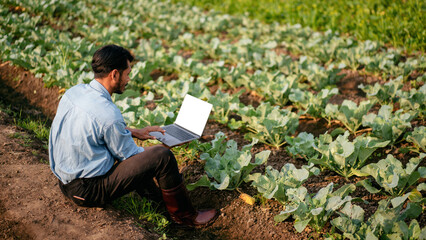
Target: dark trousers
pixel 134 173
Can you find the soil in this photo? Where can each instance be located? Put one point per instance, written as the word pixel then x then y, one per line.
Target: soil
pixel 32 88
pixel 32 206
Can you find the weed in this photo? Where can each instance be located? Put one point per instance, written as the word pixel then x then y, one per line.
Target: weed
pixel 26 140
pixel 143 209
pixel 42 160
pixel 8 111
pixel 187 152
pixel 15 135
pixel 35 153
pixel 38 127
pixel 261 199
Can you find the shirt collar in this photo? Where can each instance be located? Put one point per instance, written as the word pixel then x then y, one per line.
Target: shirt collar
pixel 100 88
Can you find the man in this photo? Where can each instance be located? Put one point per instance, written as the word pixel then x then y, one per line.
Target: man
pixel 93 154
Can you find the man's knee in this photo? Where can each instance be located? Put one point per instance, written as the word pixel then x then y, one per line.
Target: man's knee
pixel 166 159
pixel 163 153
pixel 156 161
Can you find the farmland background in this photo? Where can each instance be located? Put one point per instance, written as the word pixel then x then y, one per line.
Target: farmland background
pixel 318 106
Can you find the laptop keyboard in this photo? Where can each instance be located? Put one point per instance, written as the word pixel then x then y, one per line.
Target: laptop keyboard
pixel 178 133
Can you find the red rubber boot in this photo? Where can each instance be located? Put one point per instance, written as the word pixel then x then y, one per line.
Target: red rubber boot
pixel 181 210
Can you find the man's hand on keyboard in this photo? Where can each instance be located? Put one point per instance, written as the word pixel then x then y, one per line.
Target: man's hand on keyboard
pixel 143 133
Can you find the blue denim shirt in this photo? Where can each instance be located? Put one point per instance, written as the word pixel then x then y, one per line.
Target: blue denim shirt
pixel 88 134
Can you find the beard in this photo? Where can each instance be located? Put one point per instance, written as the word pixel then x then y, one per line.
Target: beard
pixel 120 87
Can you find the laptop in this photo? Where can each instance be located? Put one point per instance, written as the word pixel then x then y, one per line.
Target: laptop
pixel 189 124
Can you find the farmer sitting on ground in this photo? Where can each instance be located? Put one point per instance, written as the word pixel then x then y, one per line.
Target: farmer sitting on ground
pixel 93 154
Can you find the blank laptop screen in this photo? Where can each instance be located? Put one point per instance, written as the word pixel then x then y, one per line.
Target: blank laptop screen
pixel 193 114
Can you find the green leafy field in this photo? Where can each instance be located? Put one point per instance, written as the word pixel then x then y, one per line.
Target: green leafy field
pixel 289 73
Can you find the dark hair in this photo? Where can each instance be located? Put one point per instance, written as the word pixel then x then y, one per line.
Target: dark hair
pixel 108 58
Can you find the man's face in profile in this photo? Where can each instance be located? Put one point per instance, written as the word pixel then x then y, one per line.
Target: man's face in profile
pixel 124 80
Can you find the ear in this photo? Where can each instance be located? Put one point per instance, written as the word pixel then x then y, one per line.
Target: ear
pixel 115 75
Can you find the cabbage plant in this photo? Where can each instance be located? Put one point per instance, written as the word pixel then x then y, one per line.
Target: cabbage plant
pixel 384 93
pixel 312 104
pixel 386 223
pixel 387 125
pixel 346 157
pixel 274 184
pixel 303 145
pixel 418 138
pixel 349 113
pixel 223 105
pixel 391 176
pixel 269 124
pixel 314 210
pixel 227 166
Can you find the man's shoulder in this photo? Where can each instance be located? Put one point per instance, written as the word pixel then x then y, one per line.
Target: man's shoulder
pixel 86 99
pixel 76 91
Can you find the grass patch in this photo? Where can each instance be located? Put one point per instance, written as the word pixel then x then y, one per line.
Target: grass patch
pixel 400 23
pixel 143 209
pixel 26 139
pixel 187 152
pixel 38 127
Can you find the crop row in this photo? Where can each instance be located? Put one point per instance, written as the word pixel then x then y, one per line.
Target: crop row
pixel 247 42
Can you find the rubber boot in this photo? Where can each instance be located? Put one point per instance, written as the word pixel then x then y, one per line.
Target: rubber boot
pixel 181 210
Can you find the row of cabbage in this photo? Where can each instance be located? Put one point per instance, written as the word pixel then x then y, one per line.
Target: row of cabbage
pixel 271 124
pixel 156 55
pixel 178 25
pixel 272 83
pixel 247 42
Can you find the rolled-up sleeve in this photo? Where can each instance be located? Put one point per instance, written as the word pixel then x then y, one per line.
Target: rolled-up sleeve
pixel 120 142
